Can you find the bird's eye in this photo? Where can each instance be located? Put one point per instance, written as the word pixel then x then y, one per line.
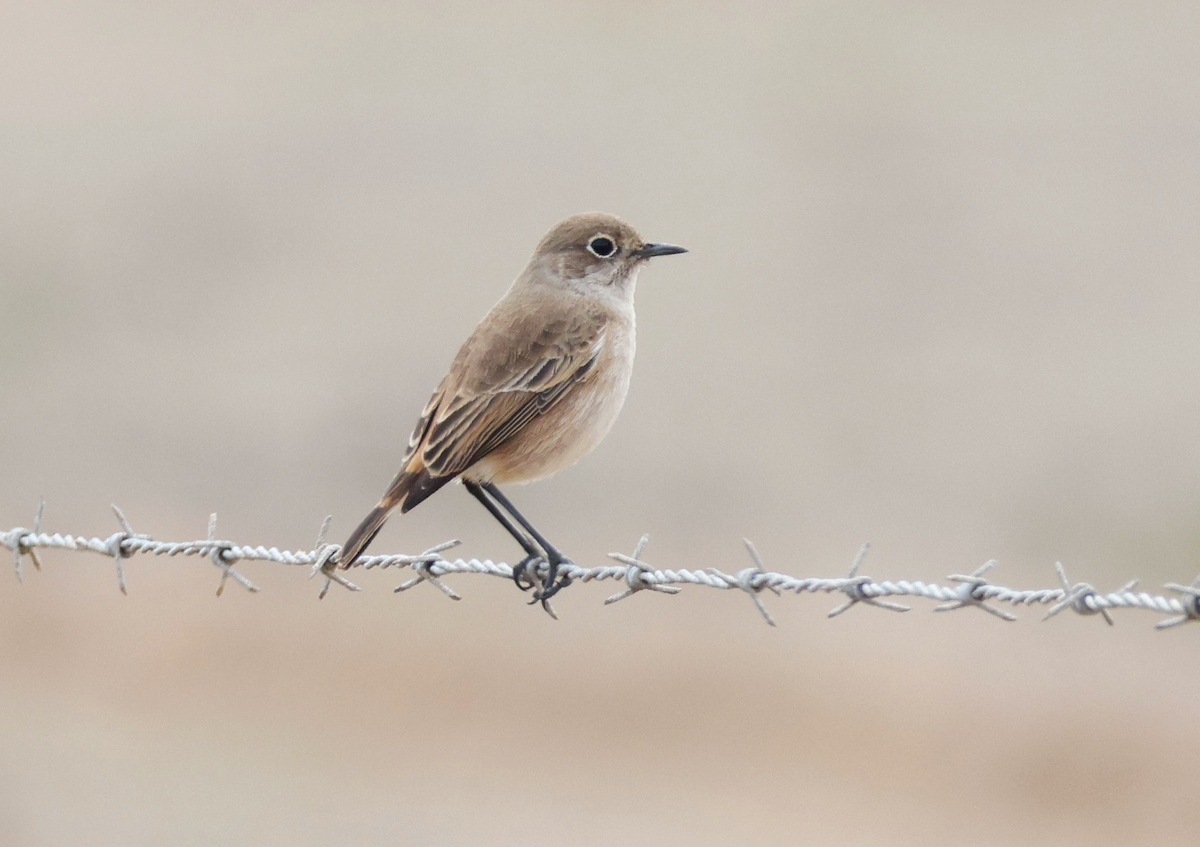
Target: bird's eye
pixel 602 246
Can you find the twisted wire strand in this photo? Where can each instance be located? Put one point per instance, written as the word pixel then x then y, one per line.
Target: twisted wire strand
pixel 967 590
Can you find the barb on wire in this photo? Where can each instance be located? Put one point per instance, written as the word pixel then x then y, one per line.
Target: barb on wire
pixel 113 546
pixel 636 574
pixel 424 566
pixel 223 559
pixel 751 581
pixel 966 590
pixel 1190 604
pixel 858 589
pixel 968 594
pixel 15 539
pixel 325 562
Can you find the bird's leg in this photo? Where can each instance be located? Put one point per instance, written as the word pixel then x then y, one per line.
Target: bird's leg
pixel 532 553
pixel 553 558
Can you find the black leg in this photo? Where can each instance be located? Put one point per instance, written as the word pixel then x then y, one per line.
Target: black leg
pixel 553 557
pixel 532 553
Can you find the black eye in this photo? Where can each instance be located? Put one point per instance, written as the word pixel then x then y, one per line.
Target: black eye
pixel 602 246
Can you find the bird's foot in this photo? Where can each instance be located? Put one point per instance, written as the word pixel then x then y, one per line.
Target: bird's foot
pixel 552 585
pixel 524 572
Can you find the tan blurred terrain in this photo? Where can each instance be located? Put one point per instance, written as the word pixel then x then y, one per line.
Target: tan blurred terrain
pixel 942 295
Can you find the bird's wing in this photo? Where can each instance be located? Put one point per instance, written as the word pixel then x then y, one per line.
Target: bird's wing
pixel 501 381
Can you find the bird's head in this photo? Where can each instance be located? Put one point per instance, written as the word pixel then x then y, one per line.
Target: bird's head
pixel 595 249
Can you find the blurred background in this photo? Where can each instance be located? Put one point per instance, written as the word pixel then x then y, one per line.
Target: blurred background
pixel 942 296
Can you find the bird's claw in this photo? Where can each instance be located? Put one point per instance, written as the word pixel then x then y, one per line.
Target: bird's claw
pixel 523 572
pixel 552 585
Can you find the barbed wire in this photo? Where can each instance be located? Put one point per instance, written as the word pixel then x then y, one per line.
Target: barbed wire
pixel 971 590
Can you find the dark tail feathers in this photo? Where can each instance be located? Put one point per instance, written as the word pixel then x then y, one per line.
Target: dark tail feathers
pixel 406 491
pixel 363 535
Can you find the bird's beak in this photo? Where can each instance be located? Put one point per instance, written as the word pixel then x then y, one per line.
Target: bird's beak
pixel 649 251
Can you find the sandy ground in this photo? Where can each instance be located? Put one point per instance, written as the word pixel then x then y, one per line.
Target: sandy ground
pixel 941 296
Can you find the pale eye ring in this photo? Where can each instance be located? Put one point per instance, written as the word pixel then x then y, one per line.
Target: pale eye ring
pixel 601 246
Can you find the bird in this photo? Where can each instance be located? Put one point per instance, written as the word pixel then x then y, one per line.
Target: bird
pixel 534 388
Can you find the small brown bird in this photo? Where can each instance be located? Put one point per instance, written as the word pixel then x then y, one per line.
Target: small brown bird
pixel 536 386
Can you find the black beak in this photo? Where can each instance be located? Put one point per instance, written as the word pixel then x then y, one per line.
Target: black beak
pixel 649 251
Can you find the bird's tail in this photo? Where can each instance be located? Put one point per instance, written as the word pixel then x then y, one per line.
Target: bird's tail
pixel 363 534
pixel 408 489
